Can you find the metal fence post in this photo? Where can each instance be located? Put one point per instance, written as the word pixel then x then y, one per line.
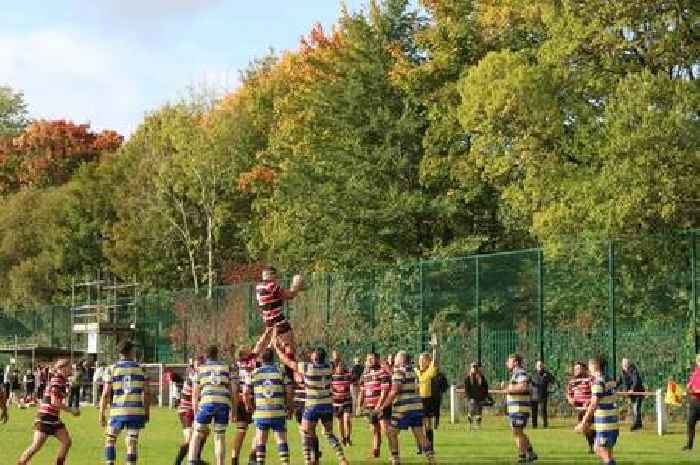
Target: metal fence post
pixel 421 346
pixel 540 300
pixel 611 306
pixel 477 304
pixel 693 292
pixel 328 299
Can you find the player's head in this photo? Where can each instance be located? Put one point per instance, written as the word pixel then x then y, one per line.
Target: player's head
pixel 212 352
pixel 514 361
pixel 267 356
pixel 339 366
pixel 318 355
pixel 424 360
pixel 335 356
pixel 62 366
pixel 269 272
pixel 401 358
pixel 625 364
pixel 539 365
pixel 126 349
pixel 373 360
pixel 475 368
pixel 243 353
pixel 597 365
pixel 579 369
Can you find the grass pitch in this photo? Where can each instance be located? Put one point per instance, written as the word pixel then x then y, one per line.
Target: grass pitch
pixel 454 444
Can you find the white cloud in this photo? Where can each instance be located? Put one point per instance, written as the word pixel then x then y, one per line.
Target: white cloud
pixel 150 9
pixel 65 75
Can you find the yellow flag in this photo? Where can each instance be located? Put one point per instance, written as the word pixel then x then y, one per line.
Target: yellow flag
pixel 674 394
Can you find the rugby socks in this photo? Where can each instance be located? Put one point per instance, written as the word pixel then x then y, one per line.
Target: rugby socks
pixel 317 449
pixel 132 447
pixel 429 434
pixel 252 457
pixel 283 451
pixel 335 444
pixel 61 461
pixel 395 460
pixel 182 453
pixel 110 451
pixel 260 452
pixel 308 446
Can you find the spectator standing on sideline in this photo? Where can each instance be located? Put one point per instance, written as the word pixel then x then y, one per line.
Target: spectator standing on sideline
pixel 74 387
pixel 439 388
pixel 7 380
pixel 693 403
pixel 541 380
pixel 98 381
pixel 476 393
pixel 631 381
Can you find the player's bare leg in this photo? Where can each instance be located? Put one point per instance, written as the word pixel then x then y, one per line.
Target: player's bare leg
pixel 333 441
pixel 200 432
pixel 184 446
pixel 260 446
pixel 424 443
pixel 65 443
pixel 393 439
pixel 282 447
pixel 237 445
pixel 376 439
pixel 38 442
pixel 219 444
pixel 132 446
pixel 347 419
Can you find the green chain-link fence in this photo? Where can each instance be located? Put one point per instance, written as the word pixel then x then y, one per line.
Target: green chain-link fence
pixel 623 298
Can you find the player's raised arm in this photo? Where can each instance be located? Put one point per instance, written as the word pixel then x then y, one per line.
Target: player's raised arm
pixel 282 356
pixel 294 290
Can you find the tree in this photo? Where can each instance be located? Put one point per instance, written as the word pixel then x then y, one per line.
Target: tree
pixel 48 153
pixel 13 112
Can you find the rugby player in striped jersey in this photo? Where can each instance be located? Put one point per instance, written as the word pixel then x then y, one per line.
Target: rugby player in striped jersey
pixel 247 364
pixel 342 400
pixel 185 412
pixel 319 403
pixel 374 388
pixel 270 388
pixel 48 422
pixel 407 409
pixel 214 393
pixel 126 397
pixel 602 412
pixel 271 296
pixel 578 394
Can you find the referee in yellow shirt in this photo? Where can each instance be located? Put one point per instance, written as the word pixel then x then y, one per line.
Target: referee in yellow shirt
pixel 427 370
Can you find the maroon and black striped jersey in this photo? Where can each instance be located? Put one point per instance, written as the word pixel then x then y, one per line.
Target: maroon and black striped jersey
pixel 270 302
pixel 374 382
pixel 185 405
pixel 340 389
pixel 52 399
pixel 580 390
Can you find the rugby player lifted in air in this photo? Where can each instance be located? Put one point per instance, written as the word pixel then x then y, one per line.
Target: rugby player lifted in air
pixel 271 296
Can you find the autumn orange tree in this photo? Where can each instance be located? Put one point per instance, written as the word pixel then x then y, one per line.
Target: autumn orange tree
pixel 47 153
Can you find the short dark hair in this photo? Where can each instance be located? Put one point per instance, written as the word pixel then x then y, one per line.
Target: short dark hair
pixel 517 357
pixel 601 362
pixel 268 355
pixel 320 354
pixel 212 352
pixel 125 347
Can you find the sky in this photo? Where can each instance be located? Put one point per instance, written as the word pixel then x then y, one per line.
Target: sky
pixel 108 62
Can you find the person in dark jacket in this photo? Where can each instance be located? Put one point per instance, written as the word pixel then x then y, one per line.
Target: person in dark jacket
pixel 631 381
pixel 438 390
pixel 476 394
pixel 541 380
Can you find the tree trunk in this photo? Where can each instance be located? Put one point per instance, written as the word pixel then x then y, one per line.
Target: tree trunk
pixel 210 252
